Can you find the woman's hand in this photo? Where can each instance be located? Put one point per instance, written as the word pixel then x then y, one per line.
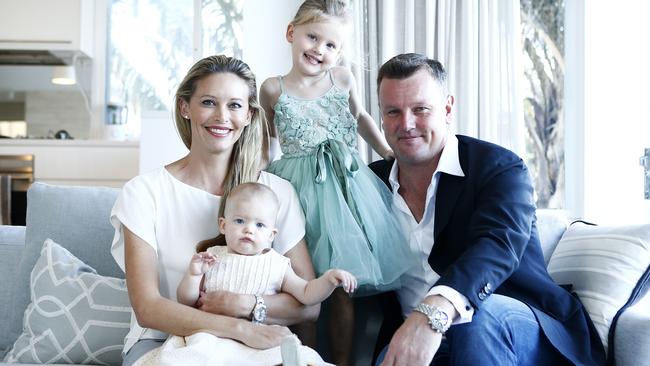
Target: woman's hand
pixel 265 336
pixel 226 303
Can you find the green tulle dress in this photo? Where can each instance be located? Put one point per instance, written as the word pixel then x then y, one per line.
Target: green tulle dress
pixel 347 208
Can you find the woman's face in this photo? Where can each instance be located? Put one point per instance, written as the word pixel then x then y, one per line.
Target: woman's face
pixel 218 111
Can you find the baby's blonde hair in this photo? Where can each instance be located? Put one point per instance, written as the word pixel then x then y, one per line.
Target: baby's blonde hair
pixel 250 190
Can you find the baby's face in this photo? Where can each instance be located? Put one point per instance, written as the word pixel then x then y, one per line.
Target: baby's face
pixel 249 226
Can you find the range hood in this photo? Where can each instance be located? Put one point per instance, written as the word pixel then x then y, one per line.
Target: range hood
pixel 46 33
pixel 38 58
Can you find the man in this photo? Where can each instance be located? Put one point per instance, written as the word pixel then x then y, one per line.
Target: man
pixel 468 210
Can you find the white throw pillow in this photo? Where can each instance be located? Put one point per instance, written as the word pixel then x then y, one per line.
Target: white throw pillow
pixel 75 316
pixel 607 267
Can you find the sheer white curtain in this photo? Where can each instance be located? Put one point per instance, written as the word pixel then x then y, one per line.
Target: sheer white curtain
pixel 478 42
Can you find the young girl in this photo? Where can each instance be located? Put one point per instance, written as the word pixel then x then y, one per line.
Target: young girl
pixel 247 265
pixel 317 114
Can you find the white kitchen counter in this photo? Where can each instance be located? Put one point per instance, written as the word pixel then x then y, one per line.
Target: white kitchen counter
pixel 76 142
pixel 78 162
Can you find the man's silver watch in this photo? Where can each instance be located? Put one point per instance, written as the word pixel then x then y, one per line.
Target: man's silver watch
pixel 258 315
pixel 439 319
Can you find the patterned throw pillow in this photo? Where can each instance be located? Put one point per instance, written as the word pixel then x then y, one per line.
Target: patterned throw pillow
pixel 609 268
pixel 75 315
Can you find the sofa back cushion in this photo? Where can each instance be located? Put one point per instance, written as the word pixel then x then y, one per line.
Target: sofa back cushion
pixel 551 224
pixel 76 217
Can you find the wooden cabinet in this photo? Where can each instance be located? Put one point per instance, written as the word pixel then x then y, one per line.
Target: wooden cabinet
pixel 47 25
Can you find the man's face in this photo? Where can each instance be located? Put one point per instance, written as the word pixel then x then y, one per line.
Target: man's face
pixel 416 114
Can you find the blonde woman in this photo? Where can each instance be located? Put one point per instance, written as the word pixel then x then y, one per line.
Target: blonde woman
pixel 160 216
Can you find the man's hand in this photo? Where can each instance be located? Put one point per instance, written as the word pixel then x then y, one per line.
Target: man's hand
pixel 226 303
pixel 414 343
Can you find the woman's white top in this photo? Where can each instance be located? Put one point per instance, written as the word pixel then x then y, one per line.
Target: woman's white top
pixel 173 217
pixel 260 274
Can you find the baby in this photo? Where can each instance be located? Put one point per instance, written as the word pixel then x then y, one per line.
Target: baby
pixel 248 265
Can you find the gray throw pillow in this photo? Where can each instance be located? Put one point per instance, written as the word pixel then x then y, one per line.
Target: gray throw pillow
pixel 75 316
pixel 75 217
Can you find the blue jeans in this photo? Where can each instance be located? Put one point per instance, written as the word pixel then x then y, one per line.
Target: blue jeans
pixel 503 332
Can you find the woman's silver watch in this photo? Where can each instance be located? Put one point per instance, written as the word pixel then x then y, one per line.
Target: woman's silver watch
pixel 258 315
pixel 439 319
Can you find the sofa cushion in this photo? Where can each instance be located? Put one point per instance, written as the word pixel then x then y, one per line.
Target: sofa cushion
pixel 608 268
pixel 75 315
pixel 551 224
pixel 76 217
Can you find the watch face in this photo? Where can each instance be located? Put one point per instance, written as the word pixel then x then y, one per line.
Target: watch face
pixel 441 317
pixel 439 321
pixel 259 313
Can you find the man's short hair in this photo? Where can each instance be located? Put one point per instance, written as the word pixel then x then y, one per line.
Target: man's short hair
pixel 404 65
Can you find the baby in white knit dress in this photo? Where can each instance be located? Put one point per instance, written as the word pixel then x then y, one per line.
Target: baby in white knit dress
pixel 247 265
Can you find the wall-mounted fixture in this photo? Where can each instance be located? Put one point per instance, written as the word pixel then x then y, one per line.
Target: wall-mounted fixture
pixel 64 75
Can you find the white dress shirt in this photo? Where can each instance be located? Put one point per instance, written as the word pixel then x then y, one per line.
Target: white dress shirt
pixel 417 283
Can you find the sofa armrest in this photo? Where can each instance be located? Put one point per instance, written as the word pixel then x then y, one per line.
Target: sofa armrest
pixel 632 336
pixel 12 242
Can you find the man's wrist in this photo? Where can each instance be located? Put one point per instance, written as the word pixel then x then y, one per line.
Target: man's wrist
pixel 443 303
pixel 439 320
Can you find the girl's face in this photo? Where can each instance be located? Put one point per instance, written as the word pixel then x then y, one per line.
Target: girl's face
pixel 315 47
pixel 218 111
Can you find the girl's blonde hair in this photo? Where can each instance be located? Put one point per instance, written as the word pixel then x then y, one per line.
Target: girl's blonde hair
pixel 314 11
pixel 245 161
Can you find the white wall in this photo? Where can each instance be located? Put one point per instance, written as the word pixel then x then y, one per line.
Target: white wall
pixel 266 49
pixel 616 125
pixel 160 143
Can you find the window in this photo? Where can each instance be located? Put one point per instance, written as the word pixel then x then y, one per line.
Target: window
pixel 543 47
pixel 151 46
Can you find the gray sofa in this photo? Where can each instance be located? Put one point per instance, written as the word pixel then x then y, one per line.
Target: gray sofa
pixel 77 218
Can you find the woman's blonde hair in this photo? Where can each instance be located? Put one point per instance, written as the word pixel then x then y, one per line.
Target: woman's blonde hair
pixel 245 161
pixel 314 11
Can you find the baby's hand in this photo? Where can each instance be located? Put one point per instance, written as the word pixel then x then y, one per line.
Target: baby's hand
pixel 341 278
pixel 201 262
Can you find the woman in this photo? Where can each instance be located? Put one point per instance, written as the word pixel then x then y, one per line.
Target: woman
pixel 160 216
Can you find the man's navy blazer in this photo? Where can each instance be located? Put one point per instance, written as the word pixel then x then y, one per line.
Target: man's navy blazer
pixel 486 241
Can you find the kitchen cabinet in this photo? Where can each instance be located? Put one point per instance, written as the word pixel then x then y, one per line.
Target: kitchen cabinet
pixel 44 25
pixel 79 162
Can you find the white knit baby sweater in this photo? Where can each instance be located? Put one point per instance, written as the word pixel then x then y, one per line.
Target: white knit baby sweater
pixel 246 274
